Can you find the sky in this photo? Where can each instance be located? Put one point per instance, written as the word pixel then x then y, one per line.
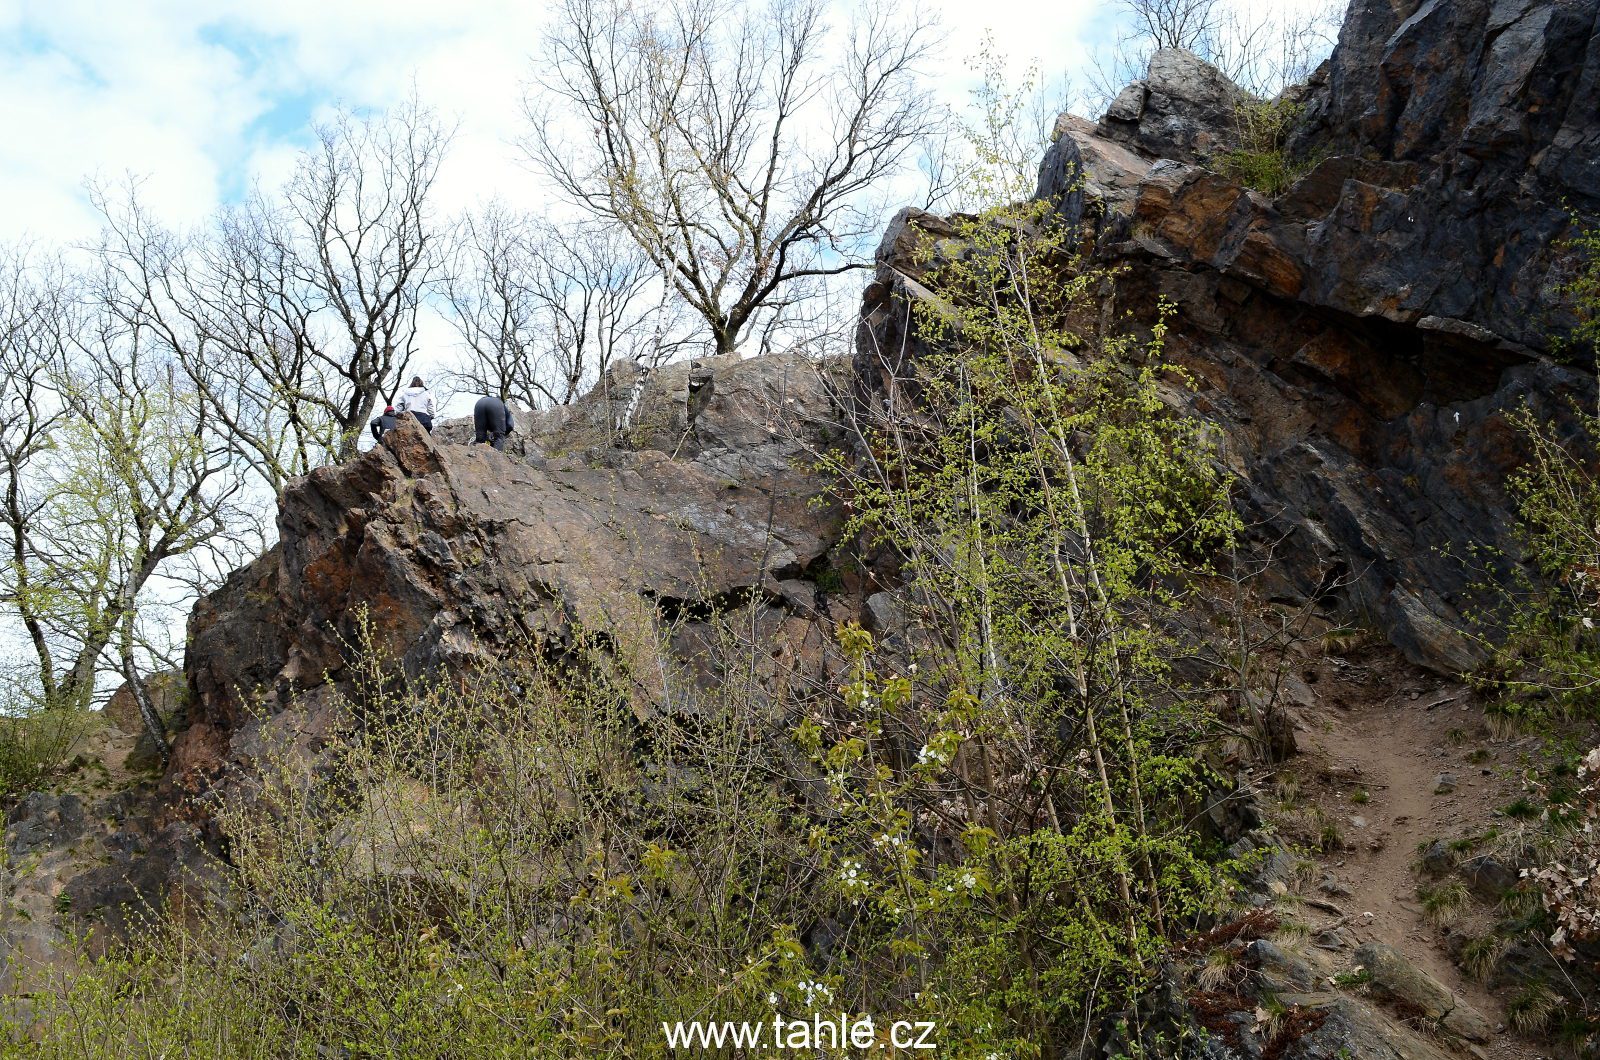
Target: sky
pixel 198 98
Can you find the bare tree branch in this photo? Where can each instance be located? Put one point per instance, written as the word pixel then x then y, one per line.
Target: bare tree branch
pixel 722 142
pixel 545 309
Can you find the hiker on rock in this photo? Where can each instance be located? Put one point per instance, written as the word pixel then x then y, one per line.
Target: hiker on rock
pixel 416 400
pixel 385 423
pixel 491 421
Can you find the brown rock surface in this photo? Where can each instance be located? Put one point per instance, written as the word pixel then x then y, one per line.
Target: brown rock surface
pixel 455 553
pixel 1361 340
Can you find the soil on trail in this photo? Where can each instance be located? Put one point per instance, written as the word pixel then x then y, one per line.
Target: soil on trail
pixel 1394 759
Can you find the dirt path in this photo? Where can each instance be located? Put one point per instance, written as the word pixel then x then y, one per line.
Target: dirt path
pixel 1393 742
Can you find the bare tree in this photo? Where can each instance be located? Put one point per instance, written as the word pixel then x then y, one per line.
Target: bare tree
pixel 365 248
pixel 29 412
pixel 110 476
pixel 719 138
pixel 293 314
pixel 545 309
pixel 1261 50
pixel 1187 24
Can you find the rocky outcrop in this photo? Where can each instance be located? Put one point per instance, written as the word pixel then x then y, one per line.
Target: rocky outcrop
pixel 629 515
pixel 1184 109
pixel 1393 978
pixel 102 851
pixel 1312 1018
pixel 168 697
pixel 1361 340
pixel 1488 109
pixel 1359 343
pixel 653 498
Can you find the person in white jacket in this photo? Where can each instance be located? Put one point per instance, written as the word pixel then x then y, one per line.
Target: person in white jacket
pixel 416 400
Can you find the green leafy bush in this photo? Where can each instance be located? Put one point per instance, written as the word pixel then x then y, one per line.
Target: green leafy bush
pixel 34 745
pixel 1262 160
pixel 1582 289
pixel 1050 508
pixel 1547 663
pixel 509 867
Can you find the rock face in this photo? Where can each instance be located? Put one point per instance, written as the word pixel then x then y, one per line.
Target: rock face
pixel 1184 109
pixel 1359 343
pixel 652 497
pixel 103 850
pixel 1361 340
pixel 1394 978
pixel 1489 108
pixel 168 698
pixel 622 515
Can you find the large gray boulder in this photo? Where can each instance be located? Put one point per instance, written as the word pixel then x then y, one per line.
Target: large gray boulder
pixel 1391 976
pixel 1184 109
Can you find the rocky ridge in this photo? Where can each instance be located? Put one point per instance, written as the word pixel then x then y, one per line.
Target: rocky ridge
pixel 1359 342
pixel 655 494
pixel 1361 339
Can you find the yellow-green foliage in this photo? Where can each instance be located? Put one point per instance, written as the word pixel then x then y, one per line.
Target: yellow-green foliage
pixel 1543 651
pixel 1549 659
pixel 530 865
pixel 1262 160
pixel 1049 506
pixel 511 868
pixel 1583 289
pixel 986 825
pixel 34 745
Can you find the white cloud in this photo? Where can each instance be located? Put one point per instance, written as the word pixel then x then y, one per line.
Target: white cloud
pixel 184 94
pixel 200 98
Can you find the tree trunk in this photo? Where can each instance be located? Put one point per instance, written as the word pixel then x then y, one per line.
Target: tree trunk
pixel 147 709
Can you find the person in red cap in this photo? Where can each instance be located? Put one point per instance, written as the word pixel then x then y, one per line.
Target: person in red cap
pixel 387 422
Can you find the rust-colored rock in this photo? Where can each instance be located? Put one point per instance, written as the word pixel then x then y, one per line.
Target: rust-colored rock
pixel 446 554
pixel 1359 340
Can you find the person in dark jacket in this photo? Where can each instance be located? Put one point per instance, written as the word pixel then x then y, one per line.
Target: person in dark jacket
pixel 386 422
pixel 491 421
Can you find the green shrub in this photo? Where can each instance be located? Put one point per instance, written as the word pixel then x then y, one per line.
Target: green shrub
pixel 1262 160
pixel 508 867
pixel 1542 643
pixel 1543 631
pixel 34 746
pixel 1050 509
pixel 1443 904
pixel 1582 290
